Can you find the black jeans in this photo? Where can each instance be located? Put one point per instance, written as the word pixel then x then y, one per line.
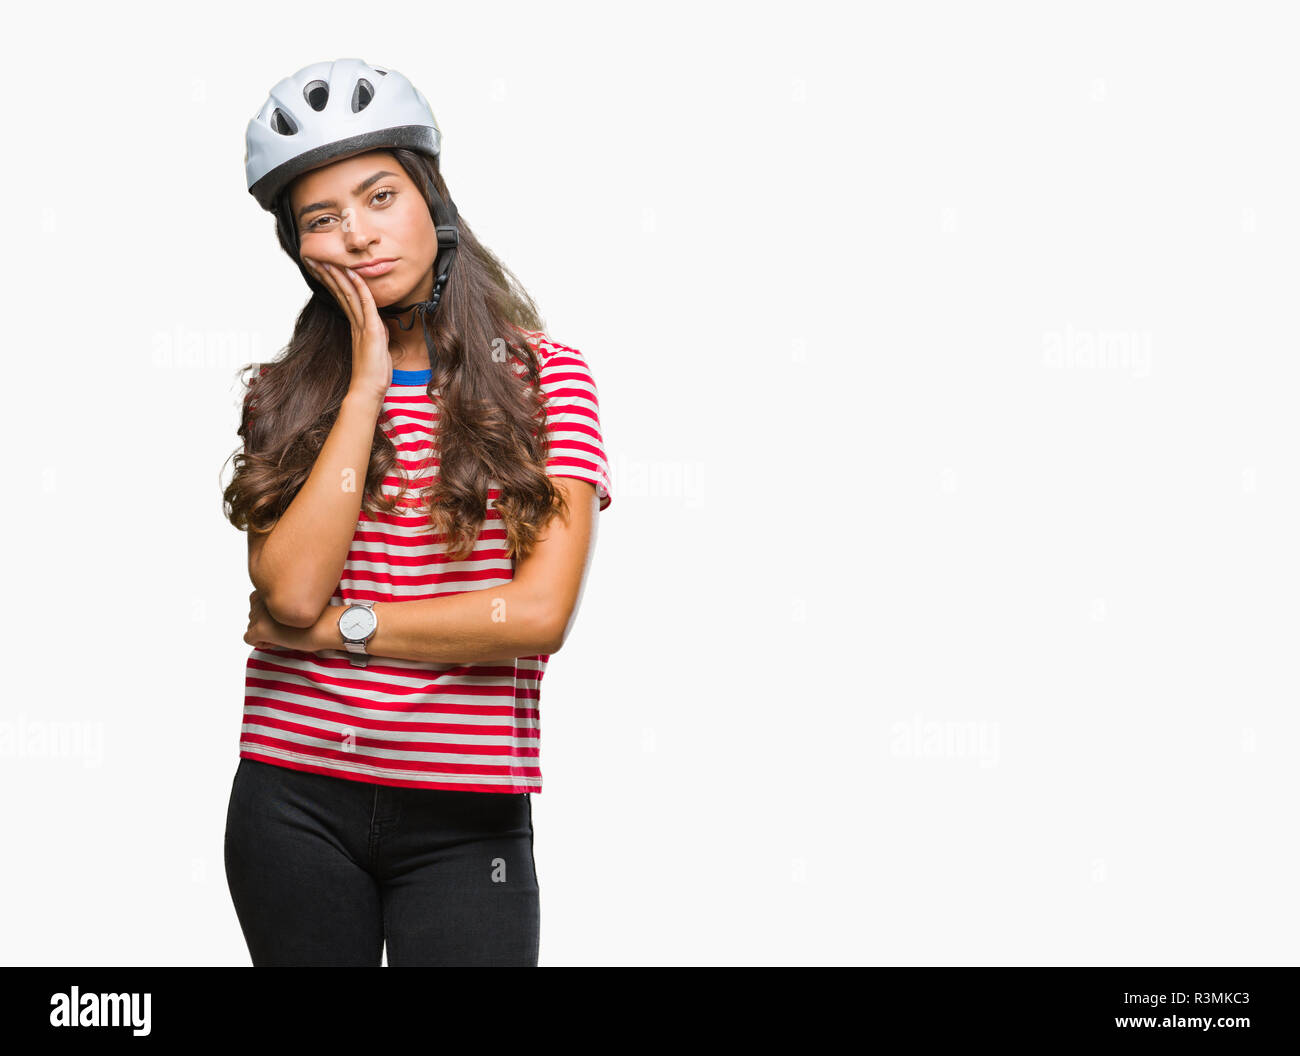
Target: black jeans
pixel 324 870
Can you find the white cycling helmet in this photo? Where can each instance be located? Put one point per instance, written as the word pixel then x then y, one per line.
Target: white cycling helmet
pixel 333 110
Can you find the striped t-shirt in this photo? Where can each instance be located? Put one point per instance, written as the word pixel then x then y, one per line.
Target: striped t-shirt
pixel 468 727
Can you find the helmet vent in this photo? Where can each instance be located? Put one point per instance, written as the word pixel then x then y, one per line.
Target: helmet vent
pixel 362 94
pixel 282 123
pixel 317 95
pixel 378 70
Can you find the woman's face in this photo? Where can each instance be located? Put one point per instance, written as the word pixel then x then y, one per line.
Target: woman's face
pixel 366 208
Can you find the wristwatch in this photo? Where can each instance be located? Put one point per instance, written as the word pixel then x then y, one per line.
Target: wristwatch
pixel 357 625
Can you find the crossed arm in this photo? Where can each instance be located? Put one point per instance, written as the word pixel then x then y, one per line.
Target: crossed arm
pixel 532 614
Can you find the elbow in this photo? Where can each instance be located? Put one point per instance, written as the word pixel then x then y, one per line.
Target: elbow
pixel 287 607
pixel 553 632
pixel 291 613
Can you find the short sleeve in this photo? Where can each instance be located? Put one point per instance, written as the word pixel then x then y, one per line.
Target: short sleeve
pixel 577 448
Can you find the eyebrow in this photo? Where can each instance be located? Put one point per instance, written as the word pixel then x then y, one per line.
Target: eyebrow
pixel 355 191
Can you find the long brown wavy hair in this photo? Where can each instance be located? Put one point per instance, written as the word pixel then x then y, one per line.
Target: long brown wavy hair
pixel 490 418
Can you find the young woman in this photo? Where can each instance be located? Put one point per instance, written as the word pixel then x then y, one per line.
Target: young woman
pixel 421 506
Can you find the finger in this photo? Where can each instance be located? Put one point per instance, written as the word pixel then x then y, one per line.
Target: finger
pixel 358 294
pixel 316 271
pixel 369 310
pixel 347 281
pixel 366 296
pixel 330 281
pixel 341 291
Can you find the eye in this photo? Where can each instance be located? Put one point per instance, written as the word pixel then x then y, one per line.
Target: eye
pixel 391 195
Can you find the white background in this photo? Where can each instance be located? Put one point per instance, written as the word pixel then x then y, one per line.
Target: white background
pixel 945 609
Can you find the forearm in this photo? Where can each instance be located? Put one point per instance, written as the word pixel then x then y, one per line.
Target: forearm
pixel 477 626
pixel 302 559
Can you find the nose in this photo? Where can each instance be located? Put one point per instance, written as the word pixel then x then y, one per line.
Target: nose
pixel 355 233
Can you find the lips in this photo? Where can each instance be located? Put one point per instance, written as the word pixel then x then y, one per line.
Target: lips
pixel 374 268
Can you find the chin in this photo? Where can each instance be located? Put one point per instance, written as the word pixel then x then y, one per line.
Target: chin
pixel 387 297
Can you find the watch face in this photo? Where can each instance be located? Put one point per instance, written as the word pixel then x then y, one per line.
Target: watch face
pixel 357 623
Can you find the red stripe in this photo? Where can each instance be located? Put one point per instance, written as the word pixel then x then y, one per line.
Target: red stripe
pixel 273 722
pixel 432 766
pixel 450 786
pixel 321 681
